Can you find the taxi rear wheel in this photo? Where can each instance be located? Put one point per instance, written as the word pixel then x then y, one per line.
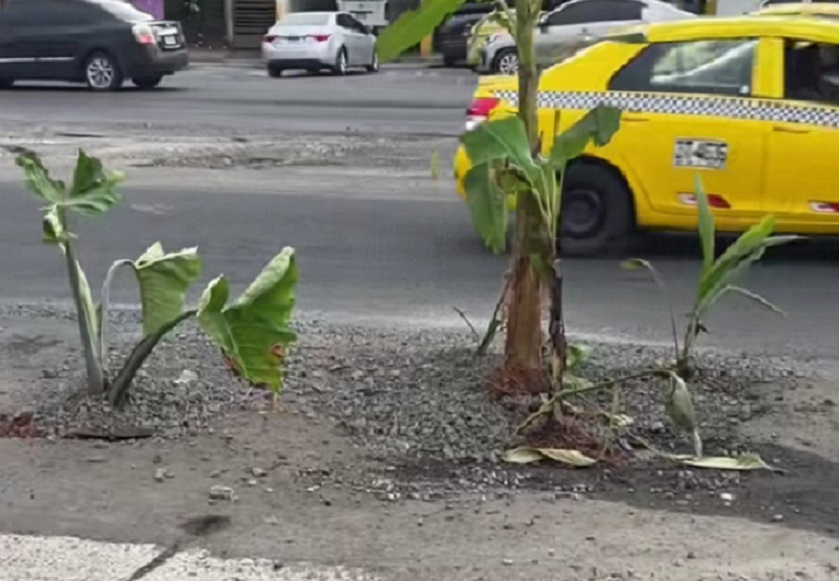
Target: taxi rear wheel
pixel 596 215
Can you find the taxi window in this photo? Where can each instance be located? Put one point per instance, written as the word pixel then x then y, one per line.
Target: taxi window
pixel 718 67
pixel 811 71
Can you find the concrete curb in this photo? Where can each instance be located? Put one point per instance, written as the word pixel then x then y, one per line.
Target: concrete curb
pixel 253 60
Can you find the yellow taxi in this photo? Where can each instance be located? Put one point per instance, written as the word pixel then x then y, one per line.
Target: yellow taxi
pixel 750 103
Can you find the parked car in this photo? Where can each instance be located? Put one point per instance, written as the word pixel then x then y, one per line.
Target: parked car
pixel 733 99
pixel 575 22
pixel 451 39
pixel 98 42
pixel 483 30
pixel 313 41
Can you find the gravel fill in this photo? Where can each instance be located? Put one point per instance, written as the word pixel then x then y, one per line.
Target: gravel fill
pixel 407 395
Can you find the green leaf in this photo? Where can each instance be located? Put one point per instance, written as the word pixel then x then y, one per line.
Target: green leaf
pixel 413 26
pixel 754 297
pixel 37 179
pixel 487 207
pixel 577 353
pixel 706 226
pixel 93 187
pixel 164 279
pixel 254 331
pixel 53 229
pixel 598 126
pixel 503 139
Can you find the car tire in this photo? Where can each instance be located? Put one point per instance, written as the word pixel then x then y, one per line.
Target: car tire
pixel 6 83
pixel 341 66
pixel 506 62
pixel 449 61
pixel 597 215
pixel 373 67
pixel 102 72
pixel 274 71
pixel 147 82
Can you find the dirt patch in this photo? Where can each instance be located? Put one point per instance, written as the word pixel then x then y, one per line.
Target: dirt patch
pixel 322 478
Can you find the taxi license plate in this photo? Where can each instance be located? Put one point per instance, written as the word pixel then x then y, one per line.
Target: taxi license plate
pixel 170 41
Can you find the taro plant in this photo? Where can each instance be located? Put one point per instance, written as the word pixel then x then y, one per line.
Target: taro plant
pixel 718 277
pixel 252 332
pixel 506 156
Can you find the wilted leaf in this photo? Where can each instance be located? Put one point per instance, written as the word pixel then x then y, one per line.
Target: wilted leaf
pixel 164 280
pixel 501 139
pixel 744 462
pixel 570 457
pixel 679 404
pixel 597 126
pixel 37 179
pixel 522 455
pixel 413 26
pixel 254 332
pixel 487 207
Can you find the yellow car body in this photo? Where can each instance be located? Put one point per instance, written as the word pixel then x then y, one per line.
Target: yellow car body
pixel 758 148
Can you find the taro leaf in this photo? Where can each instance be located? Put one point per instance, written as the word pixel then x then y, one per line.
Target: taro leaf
pixel 573 458
pixel 522 455
pixel 706 226
pixel 743 462
pixel 413 26
pixel 164 280
pixel 502 139
pixel 93 192
pixel 254 331
pixel 597 126
pixel 487 207
pixel 37 179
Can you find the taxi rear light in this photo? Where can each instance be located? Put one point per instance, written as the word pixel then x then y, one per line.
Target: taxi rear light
pixel 714 201
pixel 825 207
pixel 479 111
pixel 143 34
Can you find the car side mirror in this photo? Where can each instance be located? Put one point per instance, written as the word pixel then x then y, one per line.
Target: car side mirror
pixel 543 25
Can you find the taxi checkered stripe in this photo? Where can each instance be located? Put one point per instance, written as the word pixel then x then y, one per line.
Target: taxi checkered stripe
pixel 733 107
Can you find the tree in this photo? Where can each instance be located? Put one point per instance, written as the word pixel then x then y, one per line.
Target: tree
pixel 507 159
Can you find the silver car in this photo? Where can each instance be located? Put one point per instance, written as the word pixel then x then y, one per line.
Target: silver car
pixel 573 26
pixel 313 41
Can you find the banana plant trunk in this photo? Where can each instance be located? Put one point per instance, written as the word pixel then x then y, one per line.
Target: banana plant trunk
pixel 523 349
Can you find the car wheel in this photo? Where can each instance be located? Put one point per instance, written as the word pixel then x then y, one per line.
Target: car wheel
pixel 449 61
pixel 340 67
pixel 102 72
pixel 147 82
pixel 507 62
pixel 274 71
pixel 596 215
pixel 373 67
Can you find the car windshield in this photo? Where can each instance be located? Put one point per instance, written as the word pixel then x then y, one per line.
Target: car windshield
pixel 305 19
pixel 123 10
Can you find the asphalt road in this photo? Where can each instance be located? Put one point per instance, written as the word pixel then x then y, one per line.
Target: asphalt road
pixel 386 258
pixel 376 253
pixel 244 100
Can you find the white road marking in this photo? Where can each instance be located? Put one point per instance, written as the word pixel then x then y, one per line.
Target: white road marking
pixel 35 558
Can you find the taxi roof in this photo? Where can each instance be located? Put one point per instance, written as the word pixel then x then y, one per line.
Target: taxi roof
pixel 818 27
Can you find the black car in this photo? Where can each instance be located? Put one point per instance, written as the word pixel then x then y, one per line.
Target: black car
pixel 98 42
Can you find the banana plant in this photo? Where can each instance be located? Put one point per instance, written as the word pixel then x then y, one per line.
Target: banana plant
pixel 252 333
pixel 718 277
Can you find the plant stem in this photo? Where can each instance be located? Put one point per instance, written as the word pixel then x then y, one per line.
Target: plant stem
pixel 524 331
pixel 95 376
pixel 105 307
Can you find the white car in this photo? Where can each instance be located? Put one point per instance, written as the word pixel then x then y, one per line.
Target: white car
pixel 313 41
pixel 572 25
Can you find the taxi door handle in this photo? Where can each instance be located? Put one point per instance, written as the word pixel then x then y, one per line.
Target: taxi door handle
pixel 791 129
pixel 635 118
